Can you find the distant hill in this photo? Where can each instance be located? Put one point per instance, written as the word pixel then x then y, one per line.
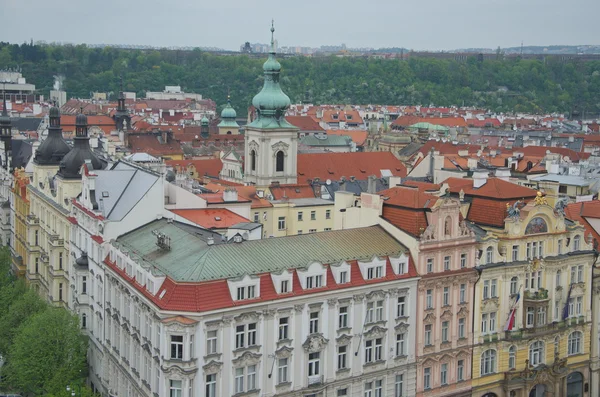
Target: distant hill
pixel 551 49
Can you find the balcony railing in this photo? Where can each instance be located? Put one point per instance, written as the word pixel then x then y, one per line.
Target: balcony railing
pixel 315 380
pixel 541 294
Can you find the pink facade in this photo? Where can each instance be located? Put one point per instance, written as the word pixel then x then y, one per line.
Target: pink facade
pixel 446 261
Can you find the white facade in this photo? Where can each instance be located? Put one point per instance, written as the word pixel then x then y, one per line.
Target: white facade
pixel 271 156
pixel 288 347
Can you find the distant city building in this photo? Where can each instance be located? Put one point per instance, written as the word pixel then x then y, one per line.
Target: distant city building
pixel 172 92
pixel 16 88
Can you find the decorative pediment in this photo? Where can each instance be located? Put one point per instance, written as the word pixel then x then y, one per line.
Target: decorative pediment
pixel 248 358
pixel 490 304
pixel 252 145
pixel 247 317
pixel 446 315
pixel 402 327
pixel 279 146
pixel 344 340
pixel 375 332
pixel 315 343
pixel 376 294
pixel 284 352
pixel 358 297
pixel 463 311
pixel 177 373
pixel 578 288
pixel 212 367
pixel 429 318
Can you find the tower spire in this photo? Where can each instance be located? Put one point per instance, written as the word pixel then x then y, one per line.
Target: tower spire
pixel 272 36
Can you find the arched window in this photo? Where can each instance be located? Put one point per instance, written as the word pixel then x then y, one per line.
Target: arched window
pixel 83 320
pixel 448 227
pixel 558 274
pixel 513 285
pixel 575 339
pixel 512 357
pixel 228 132
pixel 253 160
pixel 279 161
pixel 576 243
pixel 488 362
pixel 575 384
pixel 536 353
pixel 556 346
pixel 489 255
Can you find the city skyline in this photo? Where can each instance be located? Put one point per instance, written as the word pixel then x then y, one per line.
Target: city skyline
pixel 440 27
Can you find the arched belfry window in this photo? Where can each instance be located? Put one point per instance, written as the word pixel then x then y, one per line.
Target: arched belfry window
pixel 280 157
pixel 253 160
pixel 448 227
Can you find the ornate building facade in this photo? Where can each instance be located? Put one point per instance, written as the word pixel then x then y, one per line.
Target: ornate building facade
pixel 19 213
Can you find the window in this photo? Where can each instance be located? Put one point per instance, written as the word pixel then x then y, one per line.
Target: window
pixel 279 161
pixel 399 386
pixel 402 267
pixel 513 285
pixel 463 292
pixel 175 388
pixel 313 322
pixel 211 342
pixel 83 285
pixel 446 263
pixel 580 274
pixel 574 343
pixel 560 244
pixel 429 265
pixel 576 243
pixel 341 358
pixel 428 335
pixel 488 362
pixel 427 378
pixel 463 261
pixel 60 291
pixel 342 392
pixel 251 377
pixel 573 274
pixel 489 255
pixel 515 253
pixel 494 289
pixel 283 328
pixel 373 350
pixel 343 277
pixel 400 344
pixel 578 305
pixel 300 217
pixel 541 320
pixel 461 327
pixel 536 353
pixel 484 323
pixel 528 251
pixel 493 322
pixel 374 272
pixel 530 317
pixel 313 215
pixel 558 276
pixel 253 160
pixel 460 370
pixel 327 214
pixel 248 292
pixel 282 370
pixel 445 325
pixel 512 357
pixel 446 296
pixel 401 307
pixel 486 289
pixel 374 389
pixel 60 260
pixel 541 249
pixel 281 223
pixel 256 218
pixel 444 374
pixel 571 307
pixel 245 335
pixel 83 320
pixel 313 364
pixel 314 281
pixel 557 310
pixel 239 380
pixel 534 249
pixel 343 317
pixel 177 347
pixel 429 299
pixel 375 311
pixel 285 286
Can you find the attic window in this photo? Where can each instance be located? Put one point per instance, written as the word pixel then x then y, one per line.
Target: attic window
pixel 105 194
pixel 217 218
pixel 330 172
pixel 349 116
pixel 297 190
pixel 363 171
pixel 335 116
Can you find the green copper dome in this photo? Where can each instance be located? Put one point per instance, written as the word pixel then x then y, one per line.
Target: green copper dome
pixel 228 112
pixel 204 121
pixel 271 102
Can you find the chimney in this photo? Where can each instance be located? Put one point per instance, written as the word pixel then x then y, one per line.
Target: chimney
pixel 371 184
pixel 230 195
pixel 479 178
pixel 210 241
pixel 352 178
pixel 503 173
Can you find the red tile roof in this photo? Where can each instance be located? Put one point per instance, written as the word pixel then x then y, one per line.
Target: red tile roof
pixel 206 167
pixel 211 218
pixel 347 116
pixel 292 191
pixel 305 123
pixel 358 136
pixel 406 121
pixel 580 211
pixel 214 295
pixel 540 151
pixel 494 188
pixel 488 212
pixel 408 197
pixel 244 192
pixel 411 221
pixel 105 123
pixel 149 143
pixel 358 164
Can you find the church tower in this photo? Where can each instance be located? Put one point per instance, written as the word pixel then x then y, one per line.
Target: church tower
pixel 271 143
pixel 228 124
pixel 122 117
pixel 6 134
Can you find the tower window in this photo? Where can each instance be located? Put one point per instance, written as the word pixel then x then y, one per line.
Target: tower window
pixel 253 160
pixel 279 161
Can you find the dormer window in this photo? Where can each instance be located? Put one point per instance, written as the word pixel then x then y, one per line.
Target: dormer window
pixel 374 272
pixel 247 292
pixel 314 281
pixel 245 289
pixel 349 117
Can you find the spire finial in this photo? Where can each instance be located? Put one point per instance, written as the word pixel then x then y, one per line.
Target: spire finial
pixel 272 35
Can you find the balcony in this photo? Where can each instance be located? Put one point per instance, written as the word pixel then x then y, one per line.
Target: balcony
pixel 539 295
pixel 185 365
pixel 56 241
pixel 315 380
pixel 32 220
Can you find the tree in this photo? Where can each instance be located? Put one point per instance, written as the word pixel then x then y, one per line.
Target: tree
pixel 27 305
pixel 48 353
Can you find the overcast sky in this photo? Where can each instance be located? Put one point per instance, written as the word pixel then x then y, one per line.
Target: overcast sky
pixel 418 25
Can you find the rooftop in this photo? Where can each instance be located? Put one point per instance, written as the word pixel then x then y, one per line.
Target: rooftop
pixel 211 218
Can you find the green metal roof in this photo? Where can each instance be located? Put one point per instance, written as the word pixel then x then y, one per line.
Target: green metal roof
pixel 228 123
pixel 191 259
pixel 429 126
pixel 330 140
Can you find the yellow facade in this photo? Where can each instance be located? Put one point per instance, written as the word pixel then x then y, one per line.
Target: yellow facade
pixel 20 209
pixel 296 217
pixel 536 352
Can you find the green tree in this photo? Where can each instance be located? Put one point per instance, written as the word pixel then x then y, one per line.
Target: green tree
pixel 27 305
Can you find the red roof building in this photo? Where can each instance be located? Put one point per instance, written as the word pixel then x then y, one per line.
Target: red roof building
pixel 211 218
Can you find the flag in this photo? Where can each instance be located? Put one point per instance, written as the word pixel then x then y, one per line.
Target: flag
pixel 510 322
pixel 566 308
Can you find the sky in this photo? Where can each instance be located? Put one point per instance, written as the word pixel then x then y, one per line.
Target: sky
pixel 418 25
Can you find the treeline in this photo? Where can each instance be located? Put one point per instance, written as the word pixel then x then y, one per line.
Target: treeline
pixel 41 346
pixel 499 85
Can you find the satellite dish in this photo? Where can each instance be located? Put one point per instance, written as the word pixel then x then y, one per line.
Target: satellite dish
pixel 328 182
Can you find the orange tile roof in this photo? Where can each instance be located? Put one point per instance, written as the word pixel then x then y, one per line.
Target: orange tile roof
pixel 211 218
pixel 580 211
pixel 148 143
pixel 244 192
pixel 292 191
pixel 493 188
pixel 422 185
pixel 408 220
pixel 206 167
pixel 590 209
pixel 358 164
pixel 347 116
pixel 105 123
pixel 540 151
pixel 408 197
pixel 358 136
pixel 305 123
pixel 488 212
